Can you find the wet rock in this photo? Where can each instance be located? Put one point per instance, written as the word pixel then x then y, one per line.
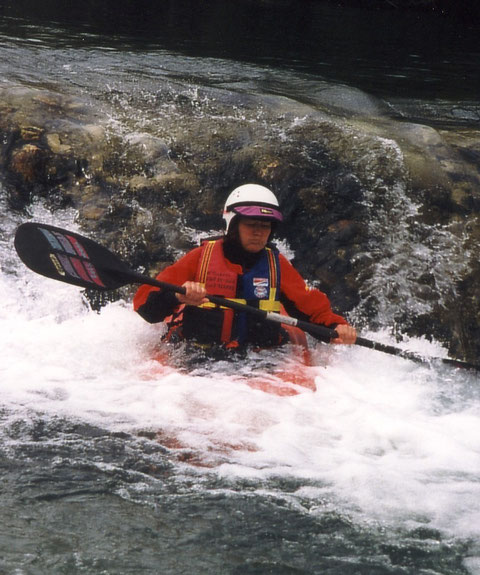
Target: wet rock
pixel 56 146
pixel 27 163
pixel 50 143
pixel 31 133
pixel 150 154
pixel 338 98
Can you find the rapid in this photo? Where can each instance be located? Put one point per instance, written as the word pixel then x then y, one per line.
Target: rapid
pixel 111 463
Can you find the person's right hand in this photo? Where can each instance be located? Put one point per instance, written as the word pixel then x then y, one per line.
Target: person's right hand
pixel 194 295
pixel 346 334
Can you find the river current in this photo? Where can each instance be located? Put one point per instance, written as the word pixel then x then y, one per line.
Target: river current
pixel 110 466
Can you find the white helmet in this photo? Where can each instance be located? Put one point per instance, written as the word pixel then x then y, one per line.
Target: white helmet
pixel 251 201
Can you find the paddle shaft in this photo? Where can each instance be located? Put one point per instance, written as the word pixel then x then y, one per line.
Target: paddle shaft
pixel 392 350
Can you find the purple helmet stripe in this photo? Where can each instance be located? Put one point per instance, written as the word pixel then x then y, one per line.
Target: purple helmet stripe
pixel 258 212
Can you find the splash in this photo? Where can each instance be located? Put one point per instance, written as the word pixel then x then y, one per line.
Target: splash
pixel 414 266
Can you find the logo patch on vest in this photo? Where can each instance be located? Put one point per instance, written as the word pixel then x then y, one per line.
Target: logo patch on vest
pixel 260 287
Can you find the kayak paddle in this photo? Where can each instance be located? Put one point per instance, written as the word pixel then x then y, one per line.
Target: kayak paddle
pixel 71 258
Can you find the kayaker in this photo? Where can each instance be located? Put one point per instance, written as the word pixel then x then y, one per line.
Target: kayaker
pixel 244 265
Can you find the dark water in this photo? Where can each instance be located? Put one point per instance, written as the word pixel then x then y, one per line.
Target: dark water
pixel 411 54
pixel 80 499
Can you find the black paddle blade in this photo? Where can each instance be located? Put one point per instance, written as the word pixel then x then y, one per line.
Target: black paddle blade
pixel 69 257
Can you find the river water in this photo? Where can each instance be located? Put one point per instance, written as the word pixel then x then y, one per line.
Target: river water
pixel 111 466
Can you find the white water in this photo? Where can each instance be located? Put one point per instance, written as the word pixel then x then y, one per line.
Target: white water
pixel 383 440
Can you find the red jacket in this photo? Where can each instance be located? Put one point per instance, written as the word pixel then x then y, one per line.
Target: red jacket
pixel 299 300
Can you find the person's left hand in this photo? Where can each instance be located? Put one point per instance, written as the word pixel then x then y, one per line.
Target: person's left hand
pixel 346 334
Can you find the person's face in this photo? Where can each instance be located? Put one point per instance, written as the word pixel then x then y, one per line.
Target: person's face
pixel 254 234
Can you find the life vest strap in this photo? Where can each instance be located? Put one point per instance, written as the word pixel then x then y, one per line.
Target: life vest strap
pixel 269 305
pixel 210 304
pixel 263 304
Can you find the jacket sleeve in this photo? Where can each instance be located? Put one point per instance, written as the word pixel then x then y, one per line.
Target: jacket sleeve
pixel 155 304
pixel 303 302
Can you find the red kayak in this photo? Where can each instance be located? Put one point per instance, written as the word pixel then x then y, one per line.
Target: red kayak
pixel 289 373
